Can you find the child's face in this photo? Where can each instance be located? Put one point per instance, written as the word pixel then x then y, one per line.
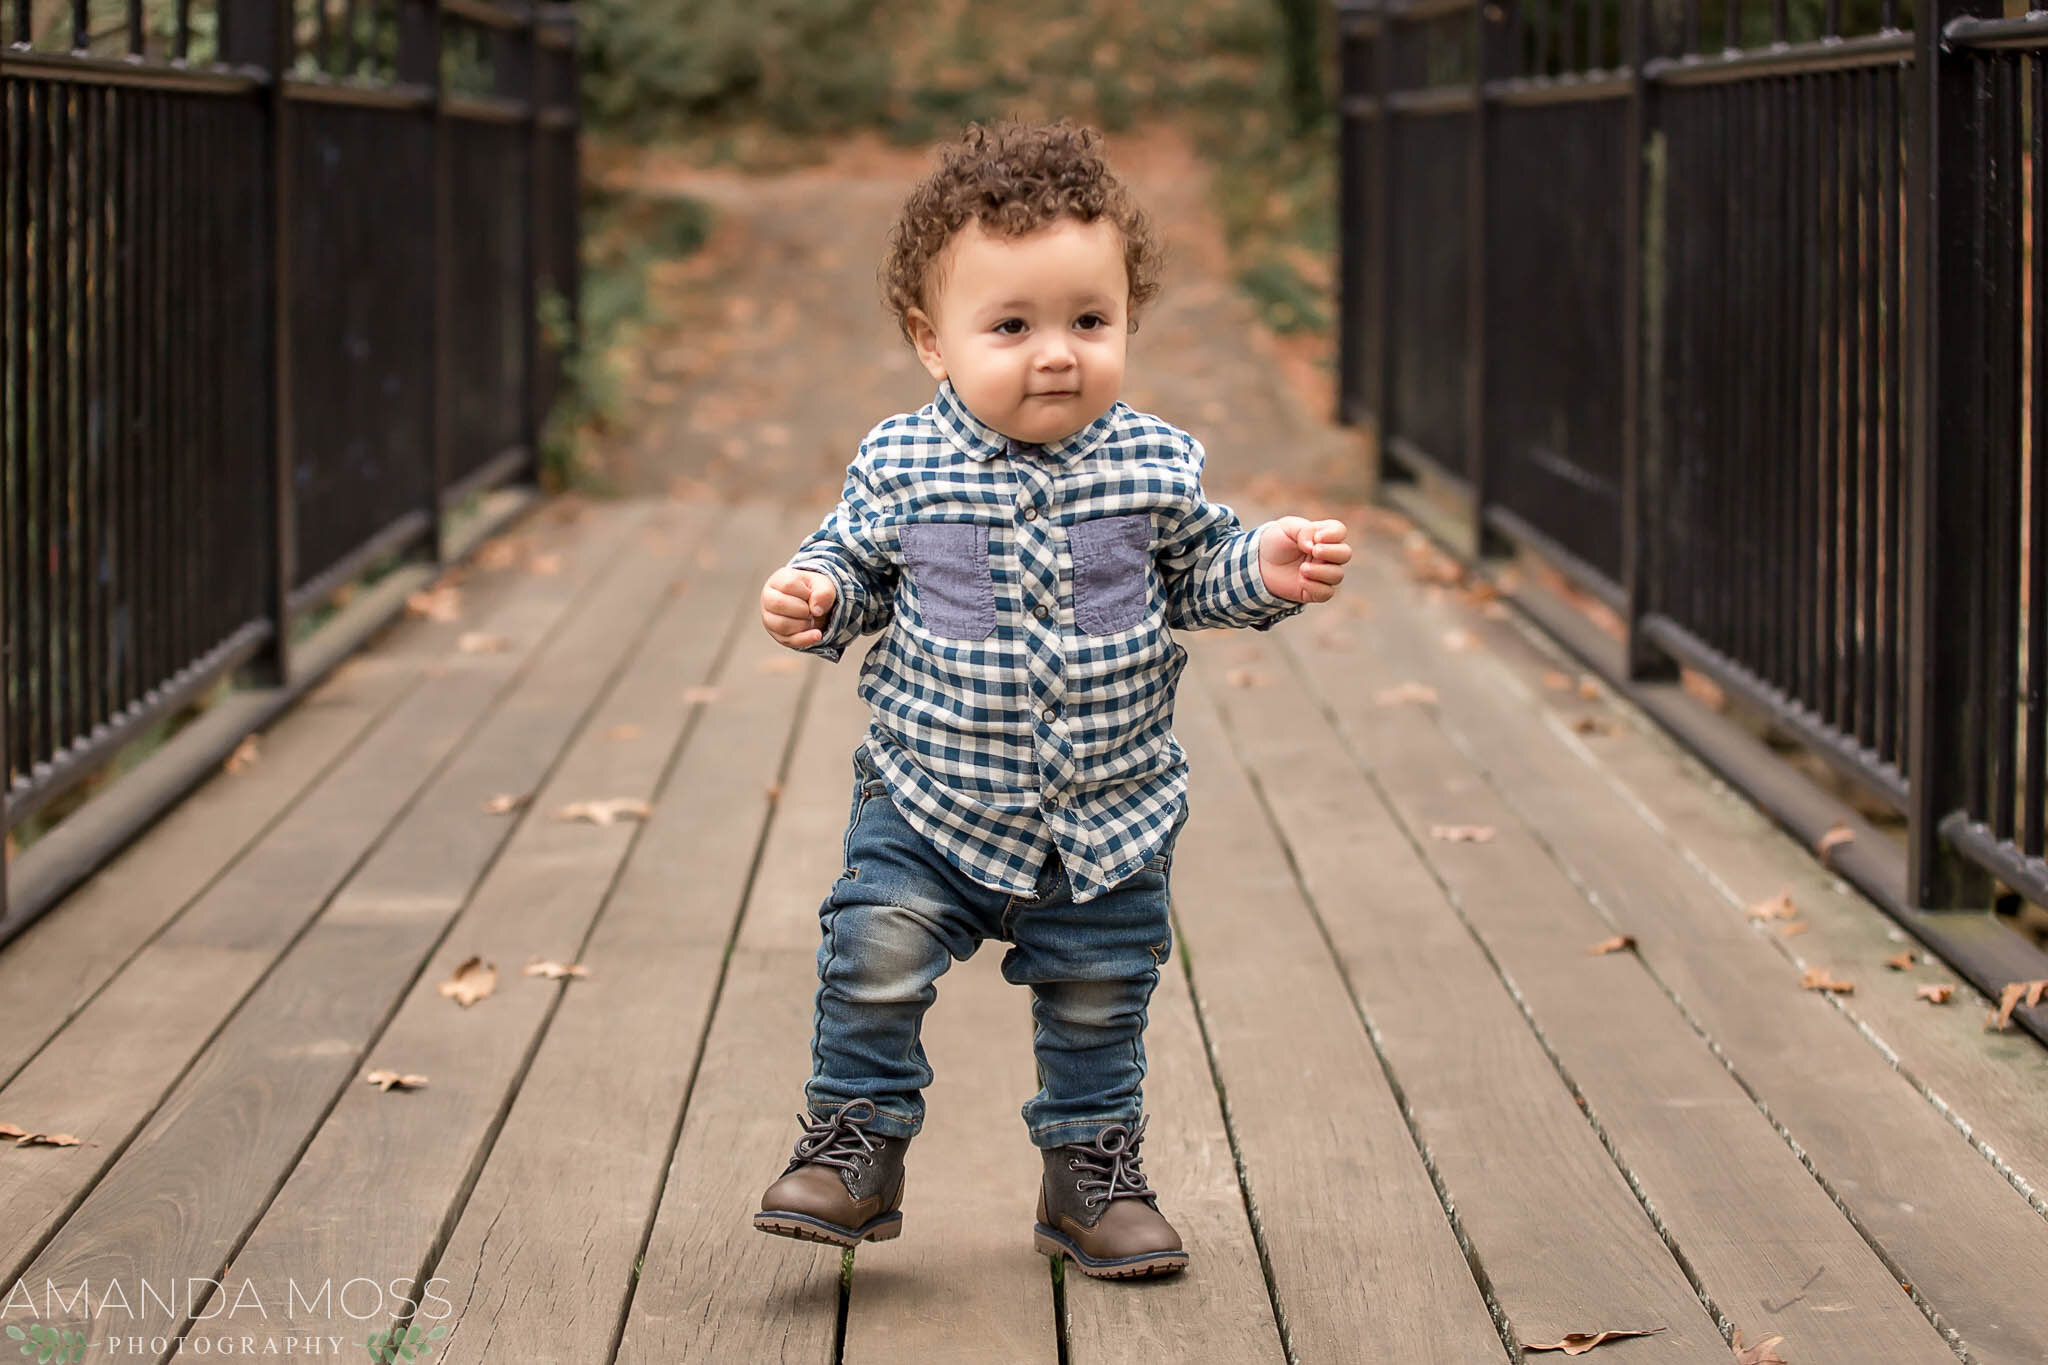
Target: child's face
pixel 1030 329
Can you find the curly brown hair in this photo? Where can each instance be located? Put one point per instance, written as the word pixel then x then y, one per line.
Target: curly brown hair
pixel 1014 178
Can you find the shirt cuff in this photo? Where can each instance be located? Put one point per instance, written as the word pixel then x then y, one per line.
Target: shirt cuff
pixel 829 646
pixel 1273 607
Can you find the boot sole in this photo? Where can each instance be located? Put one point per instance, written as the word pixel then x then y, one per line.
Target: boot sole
pixel 1122 1268
pixel 809 1229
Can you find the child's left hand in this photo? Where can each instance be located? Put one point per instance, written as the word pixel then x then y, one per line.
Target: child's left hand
pixel 1303 560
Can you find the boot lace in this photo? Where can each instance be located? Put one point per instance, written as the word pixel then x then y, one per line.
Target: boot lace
pixel 1113 1158
pixel 840 1140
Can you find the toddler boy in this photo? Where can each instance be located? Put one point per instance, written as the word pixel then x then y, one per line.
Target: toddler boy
pixel 1027 541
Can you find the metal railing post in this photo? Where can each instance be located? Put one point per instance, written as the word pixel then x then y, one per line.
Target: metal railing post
pixel 1947 464
pixel 419 63
pixel 1494 57
pixel 1642 348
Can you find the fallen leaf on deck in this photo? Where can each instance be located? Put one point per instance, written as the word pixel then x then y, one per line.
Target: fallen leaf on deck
pixel 1479 592
pixel 1589 687
pixel 1406 692
pixel 501 553
pixel 544 566
pixel 1765 1352
pixel 781 663
pixel 1578 1343
pixel 384 1080
pixel 555 971
pixel 1495 611
pixel 697 694
pixel 774 791
pixel 1620 943
pixel 1777 907
pixel 1557 682
pixel 605 812
pixel 627 731
pixel 504 802
pixel 436 604
pixel 1794 929
pixel 1458 641
pixel 1819 979
pixel 47 1140
pixel 1462 834
pixel 1246 677
pixel 1935 995
pixel 244 756
pixel 1901 961
pixel 480 642
pixel 1837 835
pixel 471 982
pixel 1592 725
pixel 2012 997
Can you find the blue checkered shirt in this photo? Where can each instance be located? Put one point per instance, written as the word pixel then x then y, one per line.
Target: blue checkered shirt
pixel 1022 697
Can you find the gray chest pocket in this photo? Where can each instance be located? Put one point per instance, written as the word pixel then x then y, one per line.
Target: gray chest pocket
pixel 948 562
pixel 1112 583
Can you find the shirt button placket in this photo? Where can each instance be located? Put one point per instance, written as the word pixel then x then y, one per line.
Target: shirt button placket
pixel 1045 683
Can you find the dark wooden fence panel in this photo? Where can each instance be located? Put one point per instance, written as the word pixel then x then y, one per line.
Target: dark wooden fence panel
pixel 271 284
pixel 1745 306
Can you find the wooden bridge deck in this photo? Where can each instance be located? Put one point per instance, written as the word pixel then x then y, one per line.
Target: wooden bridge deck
pixel 1401 1112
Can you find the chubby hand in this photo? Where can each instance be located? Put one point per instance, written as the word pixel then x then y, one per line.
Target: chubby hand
pixel 1303 560
pixel 795 604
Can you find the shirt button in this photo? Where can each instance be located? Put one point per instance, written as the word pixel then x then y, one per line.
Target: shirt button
pixel 1031 514
pixel 1048 803
pixel 1040 611
pixel 1051 715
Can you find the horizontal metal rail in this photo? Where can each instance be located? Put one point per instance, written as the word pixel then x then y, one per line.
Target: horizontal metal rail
pixel 1785 59
pixel 134 75
pixel 2027 31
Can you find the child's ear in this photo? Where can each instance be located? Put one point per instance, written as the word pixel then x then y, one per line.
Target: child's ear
pixel 925 338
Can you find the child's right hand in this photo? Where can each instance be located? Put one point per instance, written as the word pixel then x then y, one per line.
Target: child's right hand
pixel 795 604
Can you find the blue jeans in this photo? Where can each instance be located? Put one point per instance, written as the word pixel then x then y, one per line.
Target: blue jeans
pixel 901 914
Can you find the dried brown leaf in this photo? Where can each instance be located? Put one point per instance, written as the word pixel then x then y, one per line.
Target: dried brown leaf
pixel 544 566
pixel 555 971
pixel 1593 725
pixel 1794 929
pixel 1458 641
pixel 1406 692
pixel 505 802
pixel 436 604
pixel 244 757
pixel 471 981
pixel 1247 677
pixel 501 553
pixel 1765 1352
pixel 1935 994
pixel 607 811
pixel 12 1130
pixel 1777 907
pixel 1901 961
pixel 1578 1343
pixel 692 695
pixel 1589 687
pixel 626 731
pixel 1820 979
pixel 1837 835
pixel 2015 994
pixel 46 1140
pixel 385 1079
pixel 1620 943
pixel 1462 834
pixel 1556 681
pixel 482 642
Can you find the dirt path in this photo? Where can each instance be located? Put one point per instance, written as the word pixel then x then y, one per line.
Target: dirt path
pixel 781 357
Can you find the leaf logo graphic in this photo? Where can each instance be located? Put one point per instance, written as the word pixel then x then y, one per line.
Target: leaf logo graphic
pixel 402 1343
pixel 50 1344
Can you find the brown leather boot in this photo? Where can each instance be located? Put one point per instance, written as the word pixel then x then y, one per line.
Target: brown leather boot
pixel 1095 1208
pixel 844 1185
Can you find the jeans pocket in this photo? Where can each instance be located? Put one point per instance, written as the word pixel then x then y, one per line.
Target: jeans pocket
pixel 948 560
pixel 1112 578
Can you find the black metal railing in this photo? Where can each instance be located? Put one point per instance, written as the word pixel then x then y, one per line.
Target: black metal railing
pixel 1737 314
pixel 273 272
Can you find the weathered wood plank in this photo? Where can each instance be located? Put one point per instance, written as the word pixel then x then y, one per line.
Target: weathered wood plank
pixel 1900 1167
pixel 1563 1242
pixel 740 1126
pixel 1731 1195
pixel 49 973
pixel 210 1155
pixel 1363 1261
pixel 542 1262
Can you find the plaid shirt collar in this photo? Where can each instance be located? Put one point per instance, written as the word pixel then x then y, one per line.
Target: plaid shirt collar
pixel 981 441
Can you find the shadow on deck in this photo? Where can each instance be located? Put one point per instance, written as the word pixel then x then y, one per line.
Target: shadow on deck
pixel 1403 1112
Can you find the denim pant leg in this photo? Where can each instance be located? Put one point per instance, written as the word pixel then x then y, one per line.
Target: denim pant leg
pixel 896 919
pixel 1092 969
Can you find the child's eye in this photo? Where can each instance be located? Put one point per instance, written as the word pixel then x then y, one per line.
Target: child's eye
pixel 1004 326
pixel 1096 318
